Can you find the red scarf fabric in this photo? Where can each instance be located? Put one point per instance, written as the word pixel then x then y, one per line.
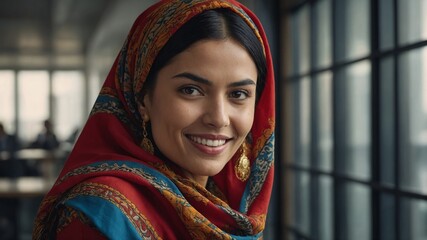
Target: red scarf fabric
pixel 123 191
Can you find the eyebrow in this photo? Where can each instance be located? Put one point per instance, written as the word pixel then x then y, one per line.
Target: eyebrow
pixel 205 81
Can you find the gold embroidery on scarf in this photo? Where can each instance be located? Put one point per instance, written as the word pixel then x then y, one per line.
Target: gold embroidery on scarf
pixel 264 137
pixel 40 221
pixel 139 221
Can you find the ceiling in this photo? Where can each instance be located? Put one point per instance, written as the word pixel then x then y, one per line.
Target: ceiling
pixel 65 34
pixel 48 33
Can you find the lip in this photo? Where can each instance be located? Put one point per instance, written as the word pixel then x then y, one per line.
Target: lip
pixel 209 150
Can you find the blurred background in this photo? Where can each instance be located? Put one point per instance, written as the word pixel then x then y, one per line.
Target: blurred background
pixel 351 159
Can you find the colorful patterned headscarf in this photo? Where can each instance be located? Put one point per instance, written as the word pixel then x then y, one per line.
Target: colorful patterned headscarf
pixel 113 185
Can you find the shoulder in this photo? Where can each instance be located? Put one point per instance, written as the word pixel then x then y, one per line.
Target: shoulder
pixel 73 224
pixel 115 207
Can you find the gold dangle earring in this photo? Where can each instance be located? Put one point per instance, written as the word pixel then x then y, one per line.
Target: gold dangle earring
pixel 243 165
pixel 146 143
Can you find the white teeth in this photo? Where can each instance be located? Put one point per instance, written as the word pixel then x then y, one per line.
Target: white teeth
pixel 207 142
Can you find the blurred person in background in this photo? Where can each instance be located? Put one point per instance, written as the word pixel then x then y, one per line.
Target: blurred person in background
pixel 8 142
pixel 9 168
pixel 47 138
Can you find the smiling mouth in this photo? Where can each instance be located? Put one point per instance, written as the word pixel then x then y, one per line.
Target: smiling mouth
pixel 208 142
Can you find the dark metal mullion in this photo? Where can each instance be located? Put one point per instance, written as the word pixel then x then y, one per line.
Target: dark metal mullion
pixel 51 61
pixel 291 227
pixel 279 218
pixel 335 66
pixel 406 48
pixel 397 197
pixel 338 196
pixel 375 122
pixel 295 7
pixel 297 154
pixel 345 178
pixel 16 99
pixel 375 54
pixel 51 96
pixel 314 139
pixel 299 235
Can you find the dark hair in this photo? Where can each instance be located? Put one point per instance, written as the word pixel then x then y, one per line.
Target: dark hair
pixel 211 24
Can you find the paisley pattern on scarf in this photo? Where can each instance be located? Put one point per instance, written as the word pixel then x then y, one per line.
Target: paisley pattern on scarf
pixel 258 174
pixel 142 225
pixel 163 184
pixel 108 102
pixel 107 168
pixel 68 214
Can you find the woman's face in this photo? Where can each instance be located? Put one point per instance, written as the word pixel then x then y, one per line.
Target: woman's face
pixel 202 106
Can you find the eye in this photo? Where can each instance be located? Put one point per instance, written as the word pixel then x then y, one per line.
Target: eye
pixel 190 90
pixel 239 94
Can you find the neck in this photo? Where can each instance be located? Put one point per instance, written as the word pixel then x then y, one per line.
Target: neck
pixel 202 180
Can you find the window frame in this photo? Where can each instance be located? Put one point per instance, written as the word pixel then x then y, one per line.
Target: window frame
pixel 375 184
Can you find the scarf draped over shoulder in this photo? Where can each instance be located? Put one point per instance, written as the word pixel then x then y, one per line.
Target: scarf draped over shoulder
pixel 112 185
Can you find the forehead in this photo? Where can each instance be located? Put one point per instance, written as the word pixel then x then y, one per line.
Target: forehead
pixel 218 59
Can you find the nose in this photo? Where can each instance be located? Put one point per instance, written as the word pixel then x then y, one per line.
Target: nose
pixel 216 114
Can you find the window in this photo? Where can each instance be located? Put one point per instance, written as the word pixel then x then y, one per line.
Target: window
pixel 33 104
pixel 357 119
pixel 7 100
pixel 68 102
pixel 28 97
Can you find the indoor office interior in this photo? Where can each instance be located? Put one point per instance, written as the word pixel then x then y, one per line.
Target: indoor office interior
pixel 351 90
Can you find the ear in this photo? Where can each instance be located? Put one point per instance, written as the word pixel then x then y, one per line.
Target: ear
pixel 144 108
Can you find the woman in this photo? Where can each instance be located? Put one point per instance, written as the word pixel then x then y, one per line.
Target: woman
pixel 179 144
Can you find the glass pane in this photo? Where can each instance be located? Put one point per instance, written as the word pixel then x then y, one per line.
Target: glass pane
pixel 33 94
pixel 413 120
pixel 291 236
pixel 413 219
pixel 387 217
pixel 323 121
pixel 322 33
pixel 412 21
pixel 386 28
pixel 352 29
pixel 301 122
pixel 325 206
pixel 300 30
pixel 387 121
pixel 301 207
pixel 356 213
pixel 289 208
pixel 7 100
pixel 353 99
pixel 68 100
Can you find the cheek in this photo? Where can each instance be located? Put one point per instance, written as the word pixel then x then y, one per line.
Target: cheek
pixel 169 117
pixel 244 121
